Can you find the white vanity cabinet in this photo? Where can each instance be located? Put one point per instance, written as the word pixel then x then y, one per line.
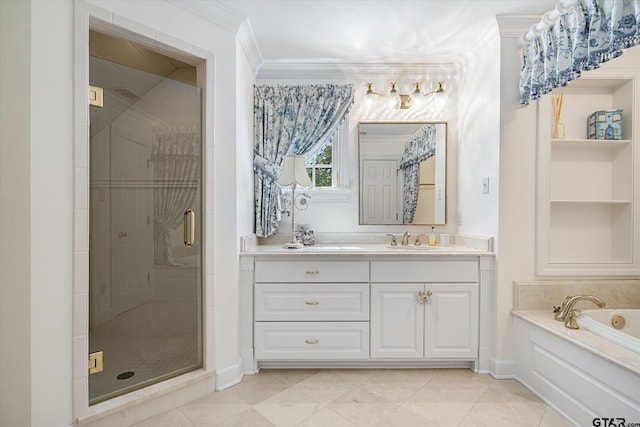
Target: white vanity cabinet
pixel 311 310
pixel 366 310
pixel 436 318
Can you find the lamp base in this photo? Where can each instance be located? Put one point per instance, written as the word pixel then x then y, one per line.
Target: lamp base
pixel 293 245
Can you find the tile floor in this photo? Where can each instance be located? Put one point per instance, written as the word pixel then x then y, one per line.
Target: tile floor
pixel 367 397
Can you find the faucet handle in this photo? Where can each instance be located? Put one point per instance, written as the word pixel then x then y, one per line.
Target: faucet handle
pixel 394 242
pixel 417 242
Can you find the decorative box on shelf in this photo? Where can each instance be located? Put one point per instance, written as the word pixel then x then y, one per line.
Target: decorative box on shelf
pixel 605 125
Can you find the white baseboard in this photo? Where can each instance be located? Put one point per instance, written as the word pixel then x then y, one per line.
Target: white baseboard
pixel 503 369
pixel 229 376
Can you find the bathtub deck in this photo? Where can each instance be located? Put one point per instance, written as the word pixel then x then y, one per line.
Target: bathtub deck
pixel 584 339
pixel 579 374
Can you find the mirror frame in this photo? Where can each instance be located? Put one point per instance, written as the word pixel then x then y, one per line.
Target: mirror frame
pixel 446 173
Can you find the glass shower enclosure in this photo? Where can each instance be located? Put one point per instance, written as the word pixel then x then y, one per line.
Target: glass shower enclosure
pixel 145 249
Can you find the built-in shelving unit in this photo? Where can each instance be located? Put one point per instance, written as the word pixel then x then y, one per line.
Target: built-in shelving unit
pixel 587 192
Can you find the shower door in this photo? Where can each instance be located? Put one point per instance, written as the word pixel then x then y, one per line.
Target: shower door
pixel 145 278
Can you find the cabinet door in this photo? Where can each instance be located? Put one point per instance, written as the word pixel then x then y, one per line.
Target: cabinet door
pixel 397 321
pixel 451 319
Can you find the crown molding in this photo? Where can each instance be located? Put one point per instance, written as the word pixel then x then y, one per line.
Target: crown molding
pixel 228 19
pixel 515 26
pixel 345 71
pixel 212 12
pixel 247 40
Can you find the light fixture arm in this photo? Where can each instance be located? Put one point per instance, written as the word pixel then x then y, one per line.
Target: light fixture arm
pixel 440 89
pixel 403 101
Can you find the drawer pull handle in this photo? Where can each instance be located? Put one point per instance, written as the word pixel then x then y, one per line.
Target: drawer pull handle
pixel 312 302
pixel 312 272
pixel 312 341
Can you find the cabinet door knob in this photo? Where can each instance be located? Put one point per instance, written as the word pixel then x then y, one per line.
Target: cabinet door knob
pixel 422 298
pixel 312 272
pixel 312 341
pixel 312 302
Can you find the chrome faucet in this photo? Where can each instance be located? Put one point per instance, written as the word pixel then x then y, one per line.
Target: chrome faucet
pixel 405 238
pixel 394 242
pixel 568 314
pixel 418 243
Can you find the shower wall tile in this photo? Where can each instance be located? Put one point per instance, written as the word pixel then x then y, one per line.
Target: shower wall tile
pixel 544 295
pixel 210 322
pixel 209 294
pixel 80 314
pixel 80 272
pixel 81 188
pixel 81 146
pixel 80 353
pixel 81 230
pixel 209 362
pixel 80 394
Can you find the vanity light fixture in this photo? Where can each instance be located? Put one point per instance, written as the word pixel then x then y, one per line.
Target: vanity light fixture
pixel 401 100
pixel 294 173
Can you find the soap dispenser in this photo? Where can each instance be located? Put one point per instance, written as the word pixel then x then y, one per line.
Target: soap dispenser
pixel 432 237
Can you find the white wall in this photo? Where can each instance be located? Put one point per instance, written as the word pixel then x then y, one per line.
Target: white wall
pixel 38 197
pixel 15 230
pixel 479 140
pixel 37 183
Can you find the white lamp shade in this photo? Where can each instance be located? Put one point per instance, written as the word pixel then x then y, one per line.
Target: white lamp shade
pixel 294 171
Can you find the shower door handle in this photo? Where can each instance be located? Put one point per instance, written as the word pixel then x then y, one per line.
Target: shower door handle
pixel 189 227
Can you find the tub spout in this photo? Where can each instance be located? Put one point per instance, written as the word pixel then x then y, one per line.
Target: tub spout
pixel 567 305
pixel 568 314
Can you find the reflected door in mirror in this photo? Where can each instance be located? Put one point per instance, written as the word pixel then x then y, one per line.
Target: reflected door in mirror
pixel 403 176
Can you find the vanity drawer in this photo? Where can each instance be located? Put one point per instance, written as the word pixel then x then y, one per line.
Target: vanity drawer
pixel 311 271
pixel 311 340
pixel 308 302
pixel 454 271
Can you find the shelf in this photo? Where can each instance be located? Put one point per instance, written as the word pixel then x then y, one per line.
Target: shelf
pixel 603 202
pixel 590 143
pixel 587 196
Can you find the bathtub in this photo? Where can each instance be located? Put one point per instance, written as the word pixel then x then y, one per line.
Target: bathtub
pixel 582 375
pixel 600 322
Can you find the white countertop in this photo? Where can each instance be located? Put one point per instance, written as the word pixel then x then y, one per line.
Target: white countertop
pixel 594 344
pixel 365 249
pixel 367 244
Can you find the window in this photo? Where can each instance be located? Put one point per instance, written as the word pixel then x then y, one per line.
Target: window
pixel 321 170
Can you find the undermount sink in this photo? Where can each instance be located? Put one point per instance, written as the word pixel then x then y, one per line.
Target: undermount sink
pixel 413 247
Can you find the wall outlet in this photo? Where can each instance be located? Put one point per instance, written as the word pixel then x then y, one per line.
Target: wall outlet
pixel 485 185
pixel 459 218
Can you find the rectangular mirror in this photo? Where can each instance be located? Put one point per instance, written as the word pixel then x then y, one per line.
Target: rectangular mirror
pixel 403 172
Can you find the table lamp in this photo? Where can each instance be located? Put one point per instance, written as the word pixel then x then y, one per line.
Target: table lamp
pixel 294 173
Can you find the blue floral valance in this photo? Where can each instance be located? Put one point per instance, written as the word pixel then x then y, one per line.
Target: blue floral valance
pixel 298 119
pixel 584 36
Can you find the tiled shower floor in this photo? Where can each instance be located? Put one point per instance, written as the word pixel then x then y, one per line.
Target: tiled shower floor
pixel 152 339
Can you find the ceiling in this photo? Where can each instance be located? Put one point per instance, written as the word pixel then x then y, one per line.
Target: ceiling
pixel 374 31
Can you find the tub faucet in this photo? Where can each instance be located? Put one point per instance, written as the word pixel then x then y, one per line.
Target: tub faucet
pixel 405 238
pixel 568 314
